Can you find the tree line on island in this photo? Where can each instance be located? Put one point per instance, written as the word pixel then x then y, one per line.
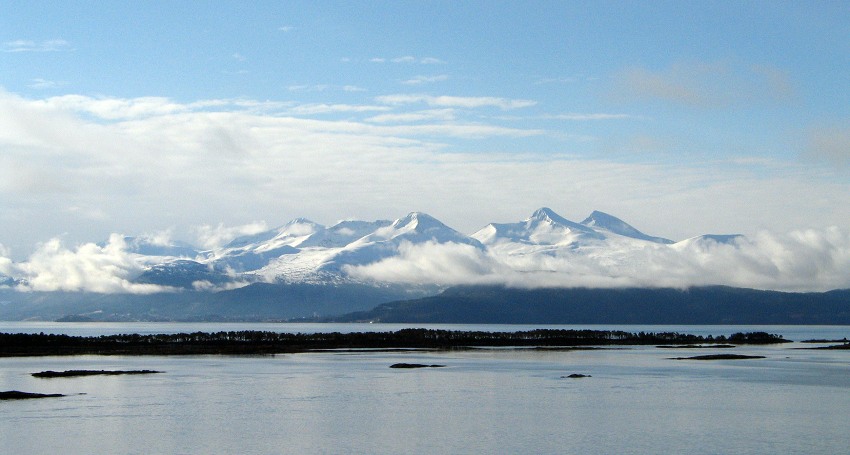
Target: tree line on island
pixel 265 342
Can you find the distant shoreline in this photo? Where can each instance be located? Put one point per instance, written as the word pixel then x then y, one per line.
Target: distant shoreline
pixel 255 342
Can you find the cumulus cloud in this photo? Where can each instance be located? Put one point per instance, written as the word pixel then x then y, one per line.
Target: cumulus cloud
pixel 88 267
pixel 87 166
pixel 430 263
pixel 809 260
pixel 5 261
pixel 217 236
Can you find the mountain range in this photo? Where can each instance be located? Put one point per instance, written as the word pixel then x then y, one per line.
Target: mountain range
pixel 302 251
pixel 304 269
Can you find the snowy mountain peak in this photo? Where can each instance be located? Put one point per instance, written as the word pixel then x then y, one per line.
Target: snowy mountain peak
pixel 298 221
pixel 297 228
pixel 602 220
pixel 544 213
pixel 419 221
pixel 343 233
pixel 418 227
pixel 543 227
pixel 548 216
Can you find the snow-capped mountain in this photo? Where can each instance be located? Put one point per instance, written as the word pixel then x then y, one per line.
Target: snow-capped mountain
pixel 302 251
pixel 302 268
pixel 605 222
pixel 543 227
pixel 343 233
pixel 381 243
pixel 546 243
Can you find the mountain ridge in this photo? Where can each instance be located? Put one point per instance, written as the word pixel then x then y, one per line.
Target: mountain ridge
pixel 415 255
pixel 716 305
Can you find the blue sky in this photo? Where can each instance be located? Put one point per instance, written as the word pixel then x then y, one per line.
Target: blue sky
pixel 682 118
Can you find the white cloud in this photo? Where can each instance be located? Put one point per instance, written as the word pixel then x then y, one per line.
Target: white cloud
pixel 217 236
pixel 419 80
pixel 408 59
pixel 5 261
pixel 308 88
pixel 154 162
pixel 88 267
pixel 590 116
pixel 311 109
pixel 42 84
pixel 117 108
pixel 415 116
pixel 325 87
pixel 286 28
pixel 429 263
pixel 53 45
pixel 459 130
pixel 810 260
pixel 456 101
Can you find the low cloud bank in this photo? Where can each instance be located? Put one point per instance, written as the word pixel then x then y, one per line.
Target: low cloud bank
pixel 804 260
pixel 217 236
pixel 88 267
pixel 809 260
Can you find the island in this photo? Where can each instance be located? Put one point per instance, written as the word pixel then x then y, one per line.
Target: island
pixel 720 357
pixel 17 395
pixel 75 373
pixel 260 342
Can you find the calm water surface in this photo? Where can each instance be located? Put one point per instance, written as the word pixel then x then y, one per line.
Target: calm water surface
pixel 483 401
pixel 791 332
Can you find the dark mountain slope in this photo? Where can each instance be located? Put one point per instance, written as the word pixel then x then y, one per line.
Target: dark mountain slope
pixel 699 305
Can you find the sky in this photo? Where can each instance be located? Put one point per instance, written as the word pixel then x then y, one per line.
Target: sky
pixel 197 119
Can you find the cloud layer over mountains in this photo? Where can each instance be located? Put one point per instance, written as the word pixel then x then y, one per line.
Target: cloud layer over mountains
pixel 544 250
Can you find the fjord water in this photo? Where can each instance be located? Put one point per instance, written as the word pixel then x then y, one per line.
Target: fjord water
pixel 637 400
